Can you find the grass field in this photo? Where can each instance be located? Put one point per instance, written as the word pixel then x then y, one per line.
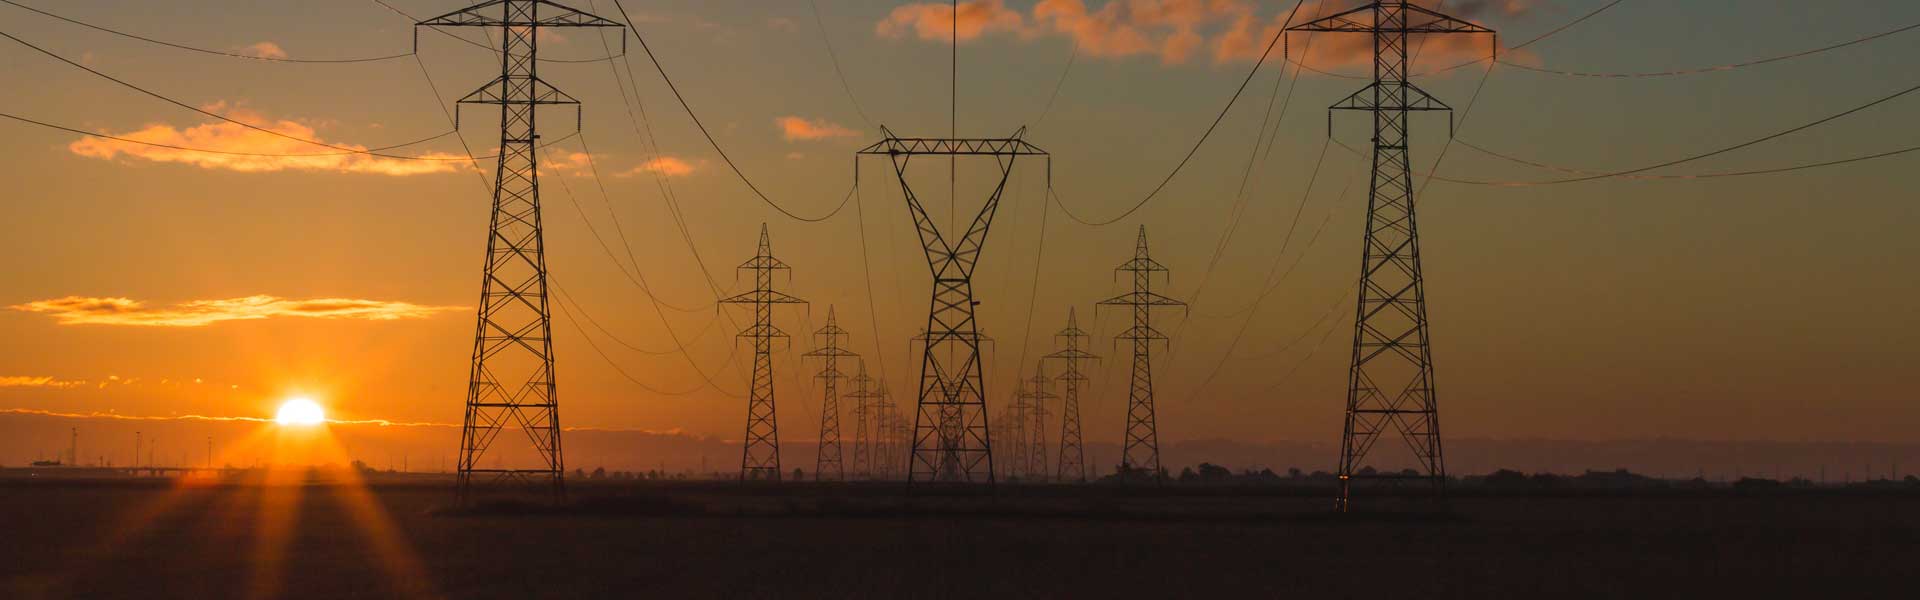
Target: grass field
pixel 165 539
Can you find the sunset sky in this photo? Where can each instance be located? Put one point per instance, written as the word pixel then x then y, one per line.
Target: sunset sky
pixel 154 282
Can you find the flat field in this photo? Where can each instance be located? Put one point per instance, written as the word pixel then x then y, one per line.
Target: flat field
pixel 153 538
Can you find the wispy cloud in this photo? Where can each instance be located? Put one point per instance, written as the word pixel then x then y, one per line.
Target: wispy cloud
pixel 665 165
pixel 934 21
pixel 31 381
pixel 80 310
pixel 246 143
pixel 577 164
pixel 1175 31
pixel 264 50
pixel 801 129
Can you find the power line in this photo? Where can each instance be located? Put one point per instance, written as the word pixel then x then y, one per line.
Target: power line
pixel 709 135
pixel 1197 143
pixel 1715 68
pixel 1703 155
pixel 616 367
pixel 124 83
pixel 203 50
pixel 1708 175
pixel 1073 53
pixel 616 338
pixel 835 57
pixel 1530 42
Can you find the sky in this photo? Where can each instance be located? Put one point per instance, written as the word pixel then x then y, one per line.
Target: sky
pixel 154 282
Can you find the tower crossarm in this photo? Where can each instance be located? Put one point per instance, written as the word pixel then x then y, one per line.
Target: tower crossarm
pixel 560 16
pixel 1420 20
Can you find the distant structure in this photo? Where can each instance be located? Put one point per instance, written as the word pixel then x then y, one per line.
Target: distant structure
pixel 892 458
pixel 511 380
pixel 1140 450
pixel 864 427
pixel 827 463
pixel 1015 420
pixel 760 451
pixel 1073 455
pixel 1390 379
pixel 1037 397
pixel 950 439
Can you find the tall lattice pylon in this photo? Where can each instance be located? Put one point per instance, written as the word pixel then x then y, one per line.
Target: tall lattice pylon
pixel 1140 451
pixel 863 426
pixel 1014 422
pixel 1037 396
pixel 827 463
pixel 1390 378
pixel 891 458
pixel 950 437
pixel 1073 455
pixel 511 379
pixel 760 450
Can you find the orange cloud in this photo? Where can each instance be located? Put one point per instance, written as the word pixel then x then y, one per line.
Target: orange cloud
pixel 799 129
pixel 665 165
pixel 80 310
pixel 934 21
pixel 28 381
pixel 1175 31
pixel 573 163
pixel 264 50
pixel 245 143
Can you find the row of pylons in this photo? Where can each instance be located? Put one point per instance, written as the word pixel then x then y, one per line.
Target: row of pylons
pixel 880 442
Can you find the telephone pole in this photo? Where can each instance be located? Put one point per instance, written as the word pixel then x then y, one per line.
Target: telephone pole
pixel 1073 456
pixel 1141 448
pixel 1390 376
pixel 511 379
pixel 760 451
pixel 830 352
pixel 950 438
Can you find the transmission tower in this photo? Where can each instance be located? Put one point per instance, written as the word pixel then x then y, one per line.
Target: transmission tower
pixel 862 422
pixel 950 439
pixel 1390 379
pixel 760 451
pixel 1015 419
pixel 1073 456
pixel 511 379
pixel 1037 398
pixel 830 352
pixel 1140 452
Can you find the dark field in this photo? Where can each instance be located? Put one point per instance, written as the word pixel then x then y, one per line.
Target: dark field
pixel 159 539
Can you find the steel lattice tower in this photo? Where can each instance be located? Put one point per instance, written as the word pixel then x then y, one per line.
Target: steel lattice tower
pixel 830 352
pixel 760 451
pixel 1141 448
pixel 1390 380
pixel 1036 400
pixel 950 438
pixel 511 380
pixel 863 429
pixel 1073 456
pixel 1015 420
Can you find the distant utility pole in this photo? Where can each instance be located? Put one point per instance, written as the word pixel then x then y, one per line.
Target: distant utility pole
pixel 136 449
pixel 1141 448
pixel 73 447
pixel 1390 381
pixel 760 452
pixel 863 426
pixel 827 462
pixel 511 379
pixel 1037 397
pixel 950 439
pixel 1073 457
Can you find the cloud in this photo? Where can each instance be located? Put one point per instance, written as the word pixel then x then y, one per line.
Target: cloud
pixel 782 24
pixel 665 165
pixel 578 164
pixel 1177 31
pixel 29 381
pixel 934 21
pixel 80 310
pixel 264 50
pixel 801 129
pixel 229 137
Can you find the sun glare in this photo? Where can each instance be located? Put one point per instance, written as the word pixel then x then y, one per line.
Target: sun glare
pixel 300 411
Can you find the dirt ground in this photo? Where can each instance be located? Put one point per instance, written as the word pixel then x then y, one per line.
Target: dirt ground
pixel 164 539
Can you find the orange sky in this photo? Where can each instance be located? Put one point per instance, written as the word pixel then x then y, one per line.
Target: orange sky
pixel 154 281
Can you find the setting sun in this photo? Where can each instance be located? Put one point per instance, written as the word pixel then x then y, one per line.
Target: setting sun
pixel 300 411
